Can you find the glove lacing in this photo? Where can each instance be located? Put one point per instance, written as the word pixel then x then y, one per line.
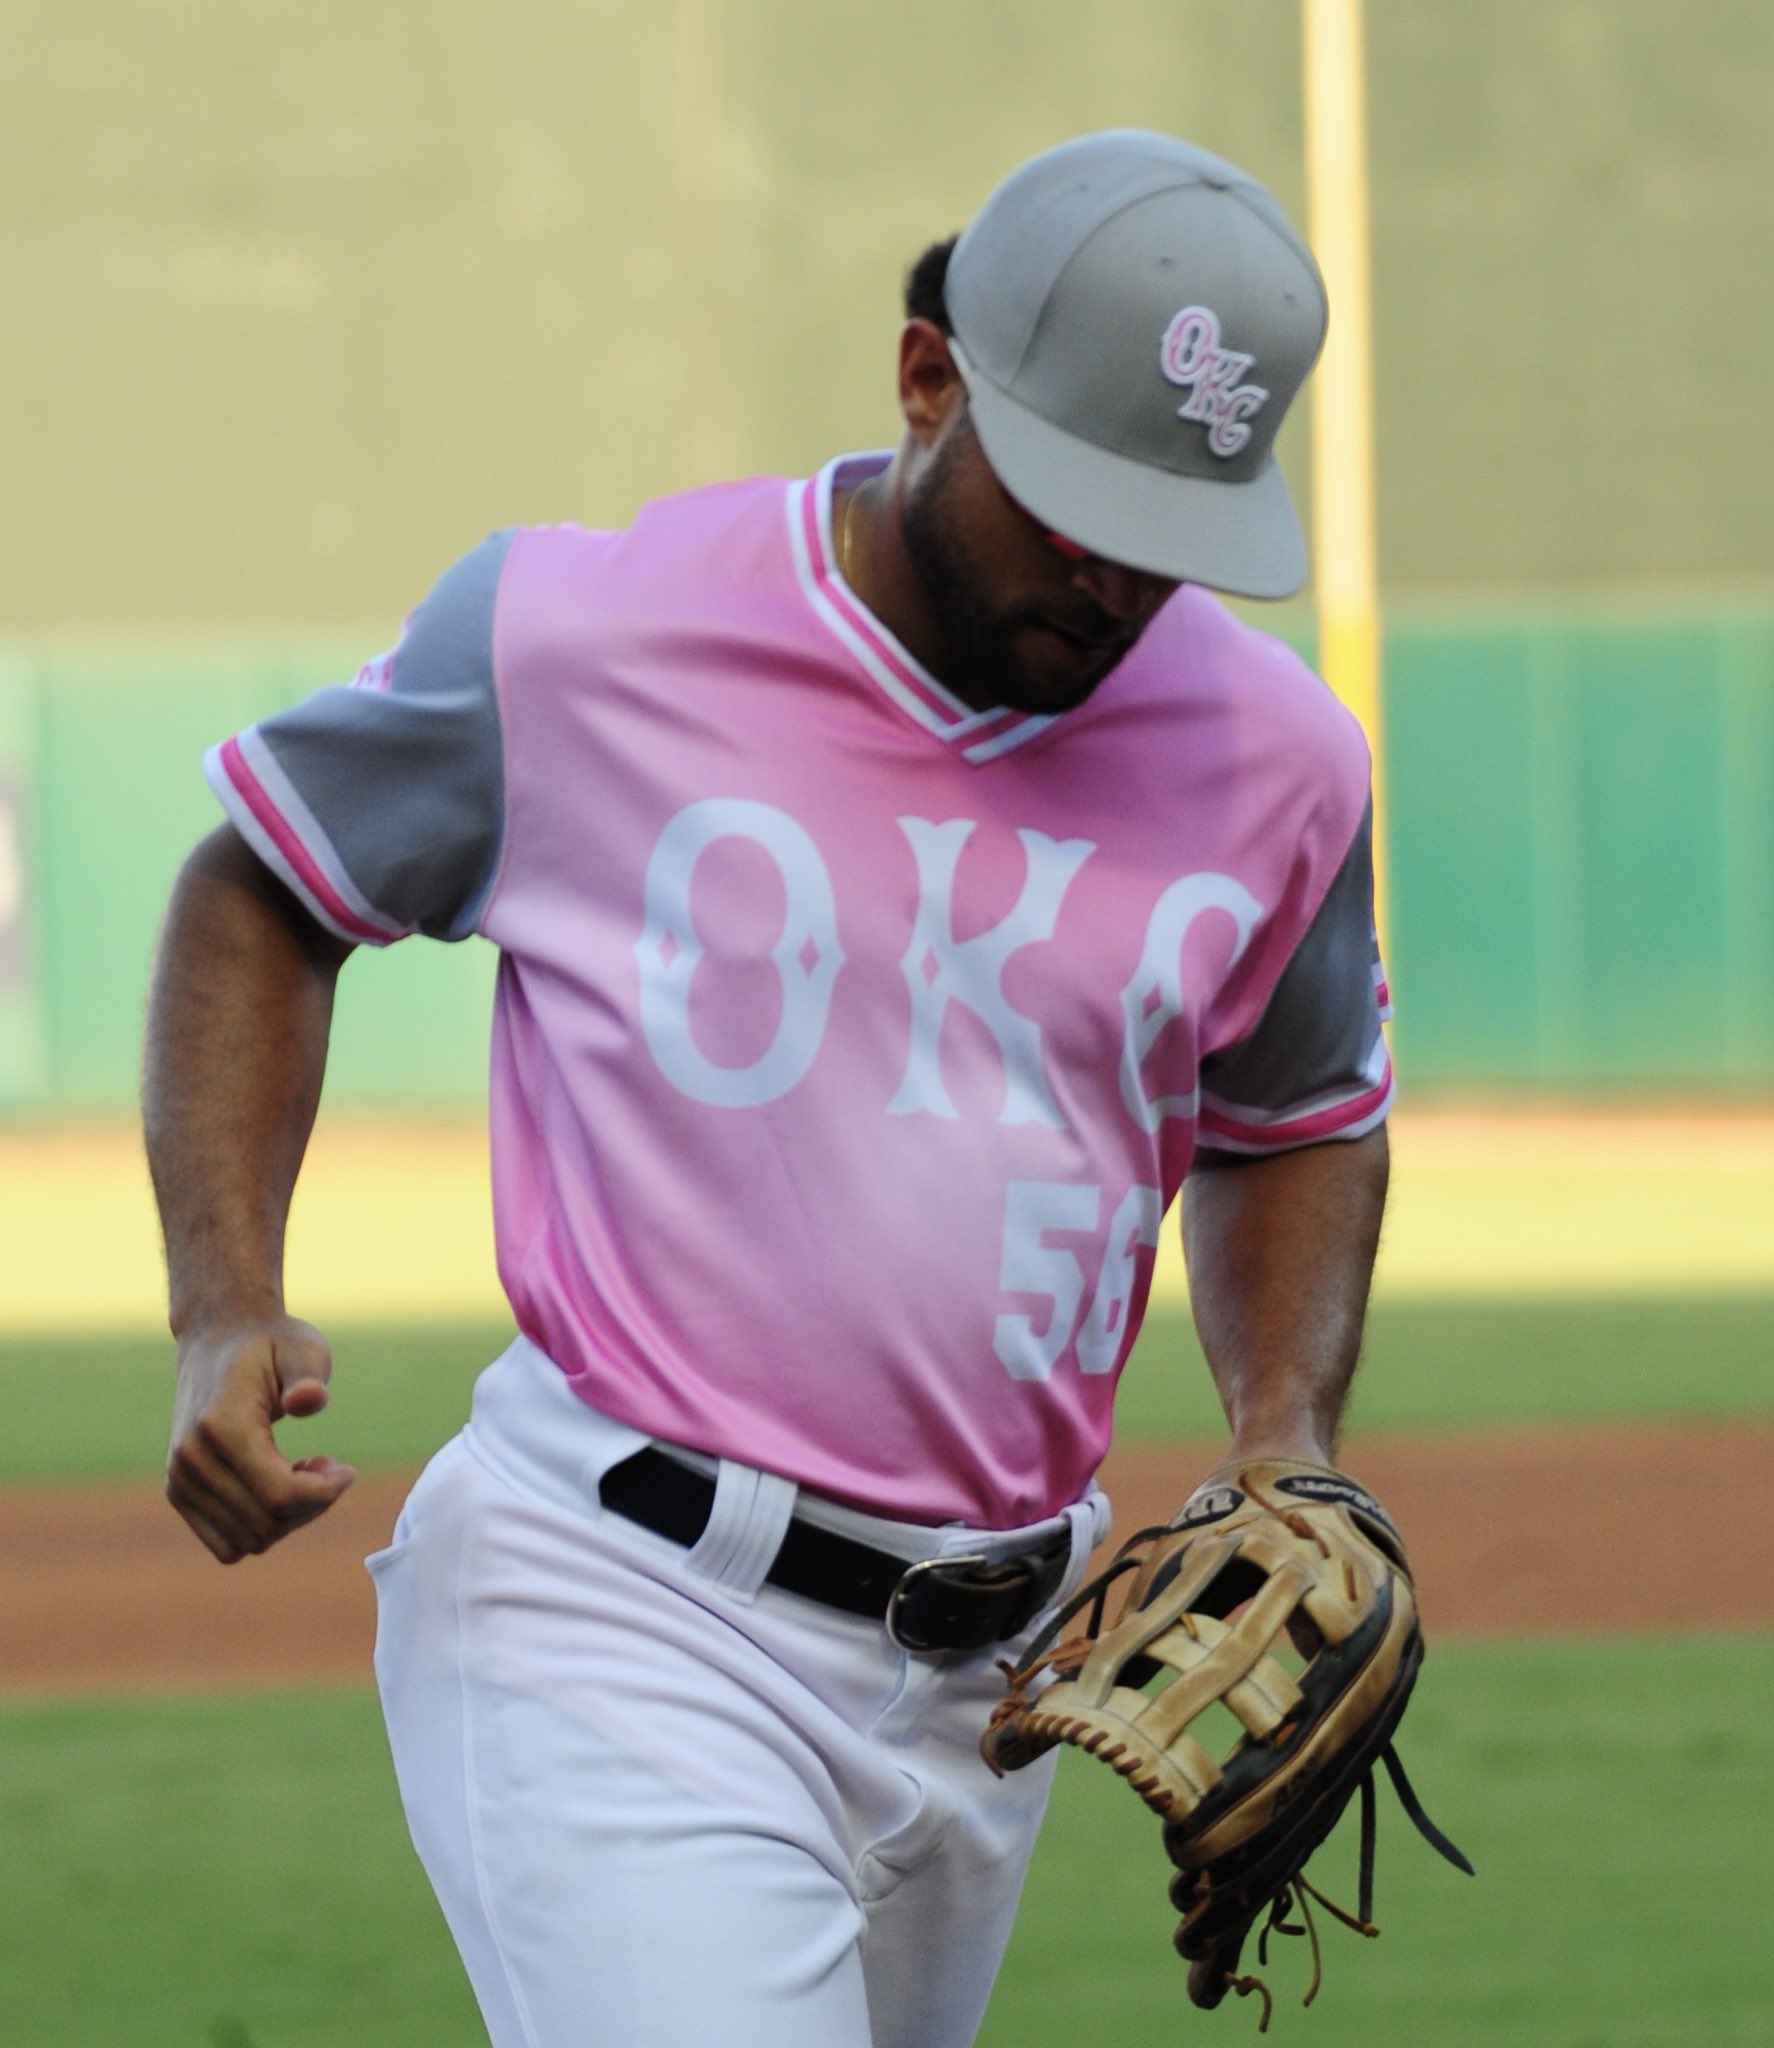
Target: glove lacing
pixel 1299 1891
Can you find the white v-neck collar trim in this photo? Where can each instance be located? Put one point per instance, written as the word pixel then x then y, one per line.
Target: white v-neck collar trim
pixel 978 736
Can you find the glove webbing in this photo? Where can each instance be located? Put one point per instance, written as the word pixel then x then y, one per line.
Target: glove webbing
pixel 1095 1596
pixel 1298 1891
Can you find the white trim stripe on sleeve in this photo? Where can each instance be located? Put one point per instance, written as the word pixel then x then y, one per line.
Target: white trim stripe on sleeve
pixel 1343 1113
pixel 265 806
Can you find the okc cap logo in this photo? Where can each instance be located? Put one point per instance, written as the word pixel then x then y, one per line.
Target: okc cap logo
pixel 1190 355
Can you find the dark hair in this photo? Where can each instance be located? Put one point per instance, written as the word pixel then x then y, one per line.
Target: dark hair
pixel 924 285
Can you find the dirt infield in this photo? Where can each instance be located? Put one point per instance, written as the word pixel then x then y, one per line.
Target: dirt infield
pixel 1513 1533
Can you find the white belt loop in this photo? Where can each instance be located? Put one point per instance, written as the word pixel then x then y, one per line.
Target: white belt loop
pixel 1089 1519
pixel 746 1525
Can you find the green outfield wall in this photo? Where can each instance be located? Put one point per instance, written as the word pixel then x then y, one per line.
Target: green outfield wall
pixel 1581 861
pixel 1582 851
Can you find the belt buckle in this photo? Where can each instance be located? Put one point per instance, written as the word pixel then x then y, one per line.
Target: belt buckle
pixel 918 1581
pixel 912 1581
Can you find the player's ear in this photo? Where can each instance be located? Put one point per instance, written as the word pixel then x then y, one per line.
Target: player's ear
pixel 930 386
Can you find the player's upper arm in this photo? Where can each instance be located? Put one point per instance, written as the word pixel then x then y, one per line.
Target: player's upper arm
pixel 224 860
pixel 1316 1065
pixel 380 805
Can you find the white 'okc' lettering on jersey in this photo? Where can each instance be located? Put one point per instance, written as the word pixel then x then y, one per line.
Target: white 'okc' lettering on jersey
pixel 806 955
pixel 1155 995
pixel 940 969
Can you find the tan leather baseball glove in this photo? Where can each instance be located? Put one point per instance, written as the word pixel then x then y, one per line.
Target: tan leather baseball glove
pixel 1281 1591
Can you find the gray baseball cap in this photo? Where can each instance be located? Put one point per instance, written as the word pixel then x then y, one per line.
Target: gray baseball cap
pixel 1133 317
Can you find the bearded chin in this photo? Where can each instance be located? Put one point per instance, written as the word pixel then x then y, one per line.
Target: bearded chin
pixel 936 543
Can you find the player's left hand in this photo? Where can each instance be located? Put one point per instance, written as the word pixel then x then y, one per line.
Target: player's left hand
pixel 226 1474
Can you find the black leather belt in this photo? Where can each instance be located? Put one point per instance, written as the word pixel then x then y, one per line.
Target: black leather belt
pixel 943 1603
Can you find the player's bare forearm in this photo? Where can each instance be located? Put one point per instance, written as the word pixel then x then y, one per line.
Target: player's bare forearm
pixel 238 1022
pixel 237 1034
pixel 1281 1254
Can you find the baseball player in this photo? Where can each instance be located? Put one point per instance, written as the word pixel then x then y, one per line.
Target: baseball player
pixel 904 879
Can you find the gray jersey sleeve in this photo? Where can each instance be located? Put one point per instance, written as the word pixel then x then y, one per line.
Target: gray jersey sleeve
pixel 1316 1065
pixel 382 802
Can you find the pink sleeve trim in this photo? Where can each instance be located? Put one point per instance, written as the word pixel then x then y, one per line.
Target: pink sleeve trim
pixel 303 867
pixel 1349 1118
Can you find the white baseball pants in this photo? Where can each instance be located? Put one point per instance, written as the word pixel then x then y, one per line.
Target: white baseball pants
pixel 662 1804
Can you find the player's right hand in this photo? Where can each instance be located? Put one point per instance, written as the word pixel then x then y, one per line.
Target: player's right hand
pixel 224 1472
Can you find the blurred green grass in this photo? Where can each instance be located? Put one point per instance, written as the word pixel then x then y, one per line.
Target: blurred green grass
pixel 226 1873
pixel 94 1408
pixel 235 1874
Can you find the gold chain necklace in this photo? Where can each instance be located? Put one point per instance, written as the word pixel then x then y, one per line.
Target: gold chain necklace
pixel 844 535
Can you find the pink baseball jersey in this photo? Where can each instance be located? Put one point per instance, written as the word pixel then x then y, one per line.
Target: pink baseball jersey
pixel 849 1045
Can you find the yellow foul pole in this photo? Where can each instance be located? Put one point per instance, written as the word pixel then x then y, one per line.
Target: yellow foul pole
pixel 1345 575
